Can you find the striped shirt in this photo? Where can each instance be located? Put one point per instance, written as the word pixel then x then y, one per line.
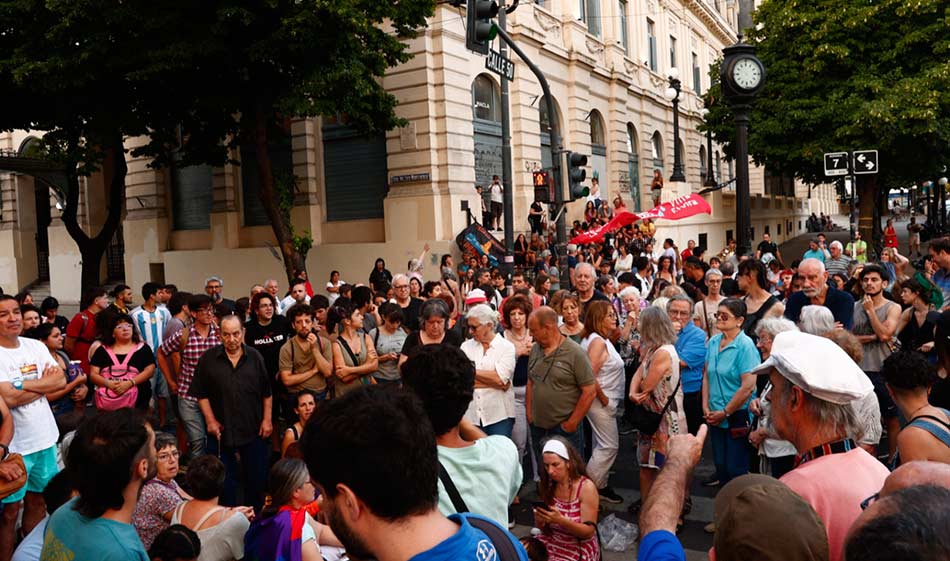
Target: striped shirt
pixel 196 346
pixel 151 325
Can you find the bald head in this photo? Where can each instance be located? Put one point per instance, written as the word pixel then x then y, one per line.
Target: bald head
pixel 917 473
pixel 544 316
pixel 814 277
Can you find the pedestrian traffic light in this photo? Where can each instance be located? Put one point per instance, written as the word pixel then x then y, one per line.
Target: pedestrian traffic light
pixel 479 29
pixel 542 186
pixel 576 174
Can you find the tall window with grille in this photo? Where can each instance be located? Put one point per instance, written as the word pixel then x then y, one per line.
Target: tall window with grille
pixel 622 16
pixel 672 52
pixel 697 75
pixel 651 45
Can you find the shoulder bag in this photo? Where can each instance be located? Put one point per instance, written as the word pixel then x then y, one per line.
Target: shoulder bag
pixel 648 422
pixel 7 488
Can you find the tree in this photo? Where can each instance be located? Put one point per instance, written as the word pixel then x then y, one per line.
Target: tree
pixel 195 78
pixel 89 74
pixel 270 60
pixel 843 76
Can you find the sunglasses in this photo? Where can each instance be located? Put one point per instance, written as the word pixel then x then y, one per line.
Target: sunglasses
pixel 724 316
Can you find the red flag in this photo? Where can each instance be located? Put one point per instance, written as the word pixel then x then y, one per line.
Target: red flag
pixel 677 209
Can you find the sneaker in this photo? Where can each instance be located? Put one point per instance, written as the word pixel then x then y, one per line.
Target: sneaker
pixel 712 482
pixel 710 528
pixel 609 495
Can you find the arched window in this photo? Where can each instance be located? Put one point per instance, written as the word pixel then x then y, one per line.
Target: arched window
pixel 633 164
pixel 702 164
pixel 597 136
pixel 545 125
pixel 656 143
pixel 486 124
pixel 486 97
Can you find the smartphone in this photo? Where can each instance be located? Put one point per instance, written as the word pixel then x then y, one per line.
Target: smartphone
pixel 540 505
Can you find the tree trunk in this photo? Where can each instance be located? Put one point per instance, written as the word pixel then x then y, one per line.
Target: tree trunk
pixel 867 211
pixel 267 193
pixel 91 249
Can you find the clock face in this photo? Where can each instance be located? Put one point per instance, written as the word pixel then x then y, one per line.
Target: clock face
pixel 747 74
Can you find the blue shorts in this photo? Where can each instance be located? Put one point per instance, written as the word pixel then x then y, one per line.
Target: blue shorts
pixel 40 466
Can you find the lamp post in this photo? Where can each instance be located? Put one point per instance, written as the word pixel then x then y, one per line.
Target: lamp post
pixel 673 94
pixel 710 177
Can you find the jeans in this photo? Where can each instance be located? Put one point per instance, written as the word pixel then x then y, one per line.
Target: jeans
pixel 731 455
pixel 502 428
pixel 693 408
pixel 255 459
pixel 520 433
pixel 194 424
pixel 539 435
pixel 606 441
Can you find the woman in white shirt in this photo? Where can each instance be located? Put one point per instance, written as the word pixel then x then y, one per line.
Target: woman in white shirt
pixel 624 262
pixel 493 406
pixel 704 312
pixel 607 365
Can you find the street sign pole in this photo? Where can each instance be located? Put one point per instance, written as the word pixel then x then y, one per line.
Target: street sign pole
pixel 555 157
pixel 506 168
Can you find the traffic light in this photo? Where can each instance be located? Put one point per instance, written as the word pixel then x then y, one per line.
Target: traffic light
pixel 576 174
pixel 479 29
pixel 542 186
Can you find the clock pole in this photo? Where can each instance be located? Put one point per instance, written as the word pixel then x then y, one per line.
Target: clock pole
pixel 742 77
pixel 743 204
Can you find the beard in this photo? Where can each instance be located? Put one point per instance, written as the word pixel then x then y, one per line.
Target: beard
pixel 354 545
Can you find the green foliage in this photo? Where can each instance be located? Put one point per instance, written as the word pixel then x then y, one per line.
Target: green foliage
pixel 845 75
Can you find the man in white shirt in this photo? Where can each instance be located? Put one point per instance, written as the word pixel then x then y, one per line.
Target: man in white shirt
pixel 298 295
pixel 27 374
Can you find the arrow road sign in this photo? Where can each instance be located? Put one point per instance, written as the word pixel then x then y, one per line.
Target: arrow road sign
pixel 865 161
pixel 836 163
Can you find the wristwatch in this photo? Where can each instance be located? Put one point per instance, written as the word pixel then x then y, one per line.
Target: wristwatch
pixel 17 383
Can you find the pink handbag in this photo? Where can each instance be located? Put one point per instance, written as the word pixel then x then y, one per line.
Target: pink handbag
pixel 106 399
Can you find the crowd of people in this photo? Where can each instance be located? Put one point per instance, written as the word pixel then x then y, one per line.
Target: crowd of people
pixel 403 417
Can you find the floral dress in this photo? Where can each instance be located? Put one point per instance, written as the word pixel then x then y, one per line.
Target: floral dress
pixel 157 499
pixel 651 450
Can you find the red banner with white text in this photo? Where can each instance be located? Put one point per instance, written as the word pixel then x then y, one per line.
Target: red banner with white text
pixel 677 209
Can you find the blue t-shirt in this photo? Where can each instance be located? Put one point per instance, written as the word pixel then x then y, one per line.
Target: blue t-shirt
pixel 726 367
pixel 691 348
pixel 469 544
pixel 817 254
pixel 660 545
pixel 70 535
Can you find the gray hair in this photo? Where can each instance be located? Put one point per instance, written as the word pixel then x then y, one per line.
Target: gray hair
pixel 812 262
pixel 727 268
pixel 713 273
pixel 772 326
pixel 399 277
pixel 483 313
pixel 630 291
pixel 679 298
pixel 585 265
pixel 840 419
pixel 816 320
pixel 433 307
pixel 656 329
pixel 835 244
pixel 216 279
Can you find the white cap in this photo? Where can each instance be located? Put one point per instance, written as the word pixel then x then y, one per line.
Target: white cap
pixel 818 366
pixel 475 296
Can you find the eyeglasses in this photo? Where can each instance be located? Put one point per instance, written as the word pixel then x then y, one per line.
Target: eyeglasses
pixel 400 286
pixel 165 456
pixel 678 313
pixel 724 316
pixel 867 502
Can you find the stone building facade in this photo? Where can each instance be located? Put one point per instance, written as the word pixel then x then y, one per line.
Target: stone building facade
pixel 607 62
